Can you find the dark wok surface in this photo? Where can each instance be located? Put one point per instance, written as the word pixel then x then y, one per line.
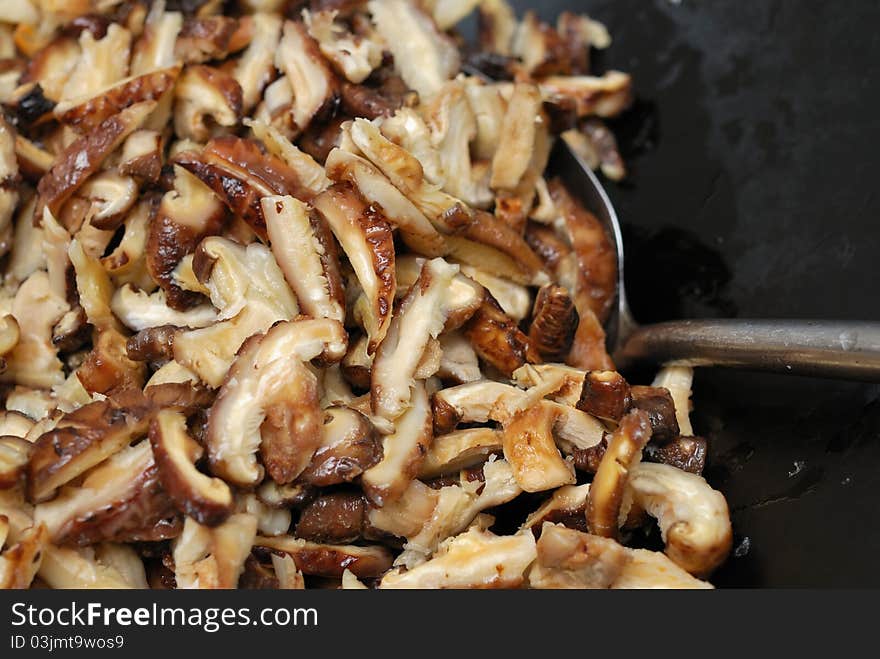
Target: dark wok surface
pixel 753 193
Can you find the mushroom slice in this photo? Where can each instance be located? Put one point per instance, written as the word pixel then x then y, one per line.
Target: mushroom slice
pixel 605 510
pixel 494 232
pixel 205 38
pixel 606 395
pixel 661 409
pixel 207 100
pixel 477 402
pixel 269 394
pixel 111 196
pixel 420 318
pixel 408 515
pixel 562 383
pixel 357 364
pixel 9 195
pixel 20 563
pixel 67 568
pixel 405 172
pixel 497 25
pixel 207 500
pixel 349 446
pixel 604 96
pixel 240 173
pixel 306 254
pixel 82 158
pixel 498 340
pixel 685 453
pixel 653 569
pixel 335 518
pixel 425 57
pixel 554 322
pixel 271 520
pixel 14 424
pixel 402 451
pixel 139 311
pixel 213 557
pixel 330 560
pixel 14 455
pixel 693 518
pixel 155 48
pixel 530 449
pixel 575 429
pixel 407 128
pixel 315 87
pixel 566 506
pixel 491 260
pixel 513 298
pixel 367 240
pixel 415 229
pixel 10 333
pixel 458 360
pixel 86 113
pixel 255 68
pixel 677 380
pixel 460 449
pixel 475 559
pixel 571 559
pixel 293 495
pixel 516 138
pixel 82 439
pixel 354 56
pixel 311 175
pixel 121 500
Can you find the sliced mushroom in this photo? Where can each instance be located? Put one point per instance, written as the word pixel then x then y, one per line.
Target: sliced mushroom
pixel 14 424
pixel 307 255
pixel 353 56
pixel 658 403
pixel 407 128
pixel 604 510
pixel 269 394
pixel 9 175
pixel 685 453
pixel 554 322
pixel 271 520
pixel 408 515
pixel 207 100
pixel 494 232
pixel 458 361
pixel 103 60
pixel 213 557
pixel 205 38
pixel 604 96
pixel 653 569
pixel 20 563
pixel 311 175
pixel 293 495
pixel 498 340
pixel 139 311
pixel 517 137
pixel 207 500
pixel 497 25
pixel 255 69
pixel 366 238
pixel 677 380
pixel 460 449
pixel 349 446
pixel 566 506
pixel 570 559
pixel 66 568
pixel 693 518
pixel 335 518
pixel 476 559
pixel 476 402
pixel 330 560
pixel 155 47
pixel 561 383
pixel 530 449
pixel 606 394
pixel 14 455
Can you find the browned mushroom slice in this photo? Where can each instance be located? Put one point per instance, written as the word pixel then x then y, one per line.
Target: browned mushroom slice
pixel 205 38
pixel 240 173
pixel 83 157
pixel 571 559
pixel 207 500
pixel 121 500
pixel 357 364
pixel 606 395
pixel 657 402
pixel 653 569
pixel 491 261
pixel 311 175
pixel 142 155
pixel 403 451
pixel 213 557
pixel 366 238
pixel 605 96
pixel 475 559
pixel 335 518
pixel 530 449
pixel 354 56
pixel 82 439
pixel 607 491
pixel 306 255
pixel 255 68
pixel 685 453
pixel 693 518
pixel 315 86
pixel 349 446
pixel 33 161
pixel 107 369
pixel 554 322
pixel 596 145
pixel 567 506
pixel 444 211
pixel 20 563
pixel 420 318
pixel 491 231
pixel 87 114
pixel 415 229
pixel 498 340
pixel 14 455
pixel 425 56
pixel 269 394
pixel 460 449
pixel 517 137
pixel 677 380
pixel 207 100
pixel 330 560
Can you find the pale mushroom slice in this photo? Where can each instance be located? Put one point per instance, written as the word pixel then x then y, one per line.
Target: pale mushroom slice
pixel 653 569
pixel 9 195
pixel 421 317
pixel 354 56
pixel 460 449
pixel 14 455
pixel 139 311
pixel 367 240
pixel 405 172
pixel 402 451
pixel 311 175
pixel 155 47
pixel 213 557
pixel 207 100
pixel 567 506
pixel 255 68
pixel 330 560
pixel 497 25
pixel 564 383
pixel 314 85
pixel 677 380
pixel 415 229
pixel 517 137
pixel 693 518
pixel 102 61
pixel 405 517
pixel 68 568
pixel 407 128
pixel 205 499
pixel 513 298
pixel 306 254
pixel 530 448
pixel 604 96
pixel 425 57
pixel 605 509
pixel 20 562
pixel 458 360
pixel 271 520
pixel 567 558
pixel 475 559
pixel 269 394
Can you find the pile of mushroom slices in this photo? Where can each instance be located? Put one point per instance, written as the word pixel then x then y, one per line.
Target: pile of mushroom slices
pixel 288 301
